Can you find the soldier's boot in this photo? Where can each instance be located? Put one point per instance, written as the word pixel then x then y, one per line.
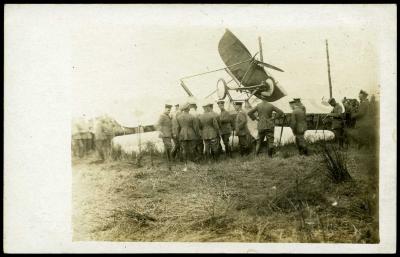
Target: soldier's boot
pixel 258 147
pixel 174 152
pixel 207 157
pixel 271 152
pixel 228 152
pixel 341 142
pixel 241 151
pixel 180 153
pixel 215 155
pixel 300 150
pixel 169 158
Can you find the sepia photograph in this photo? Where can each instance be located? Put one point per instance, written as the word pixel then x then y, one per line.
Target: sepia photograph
pixel 221 123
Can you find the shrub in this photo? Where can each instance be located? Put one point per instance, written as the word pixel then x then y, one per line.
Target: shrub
pixel 336 163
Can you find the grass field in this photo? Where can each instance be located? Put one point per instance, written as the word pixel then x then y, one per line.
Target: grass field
pixel 256 199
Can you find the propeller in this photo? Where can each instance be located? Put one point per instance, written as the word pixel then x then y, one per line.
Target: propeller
pixel 269 66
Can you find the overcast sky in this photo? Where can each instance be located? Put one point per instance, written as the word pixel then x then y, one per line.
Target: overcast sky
pixel 130 59
pixel 127 60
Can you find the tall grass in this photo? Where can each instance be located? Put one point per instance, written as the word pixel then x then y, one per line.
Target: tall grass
pixel 336 163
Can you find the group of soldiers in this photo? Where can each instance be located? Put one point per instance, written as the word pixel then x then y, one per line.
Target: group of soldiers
pixel 89 135
pixel 188 135
pixel 357 123
pixel 195 136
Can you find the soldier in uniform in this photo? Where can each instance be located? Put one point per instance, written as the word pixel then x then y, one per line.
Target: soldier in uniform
pixel 101 137
pixel 109 128
pixel 176 150
pixel 363 129
pixel 77 142
pixel 81 136
pixel 198 143
pixel 337 121
pixel 91 132
pixel 298 101
pixel 188 133
pixel 298 124
pixel 210 132
pixel 265 124
pixel 226 124
pixel 241 129
pixel 164 126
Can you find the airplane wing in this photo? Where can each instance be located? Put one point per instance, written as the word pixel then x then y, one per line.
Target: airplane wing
pixel 232 51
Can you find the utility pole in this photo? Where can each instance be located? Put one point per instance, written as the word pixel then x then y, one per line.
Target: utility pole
pixel 260 47
pixel 329 69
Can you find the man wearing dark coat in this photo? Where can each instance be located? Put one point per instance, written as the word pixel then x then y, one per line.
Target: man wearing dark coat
pixel 298 124
pixel 241 129
pixel 265 124
pixel 164 126
pixel 188 132
pixel 337 121
pixel 226 124
pixel 210 132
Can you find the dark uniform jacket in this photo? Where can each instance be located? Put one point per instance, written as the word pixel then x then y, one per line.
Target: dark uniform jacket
pixel 101 130
pixel 298 121
pixel 187 127
pixel 336 113
pixel 303 107
pixel 362 115
pixel 164 125
pixel 241 124
pixel 208 125
pixel 226 122
pixel 264 110
pixel 175 133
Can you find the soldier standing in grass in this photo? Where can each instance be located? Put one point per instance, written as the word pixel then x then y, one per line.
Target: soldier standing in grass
pixel 100 137
pixel 77 141
pixel 363 129
pixel 81 136
pixel 210 132
pixel 216 115
pixel 188 133
pixel 164 126
pixel 337 121
pixel 298 124
pixel 226 124
pixel 298 101
pixel 241 129
pixel 198 143
pixel 176 150
pixel 265 124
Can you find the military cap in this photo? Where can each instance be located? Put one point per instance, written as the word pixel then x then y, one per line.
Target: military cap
pixel 296 99
pixel 221 101
pixel 185 106
pixel 238 103
pixel 331 100
pixel 363 92
pixel 292 102
pixel 168 105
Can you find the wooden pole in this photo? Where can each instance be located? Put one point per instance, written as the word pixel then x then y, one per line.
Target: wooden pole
pixel 186 89
pixel 329 69
pixel 260 47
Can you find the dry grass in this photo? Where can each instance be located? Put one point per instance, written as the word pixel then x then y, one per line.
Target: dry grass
pixel 285 199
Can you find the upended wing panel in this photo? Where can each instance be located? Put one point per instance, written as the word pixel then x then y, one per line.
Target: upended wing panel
pixel 233 51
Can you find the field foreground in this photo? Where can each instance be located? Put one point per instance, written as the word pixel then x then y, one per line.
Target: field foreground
pixel 256 199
